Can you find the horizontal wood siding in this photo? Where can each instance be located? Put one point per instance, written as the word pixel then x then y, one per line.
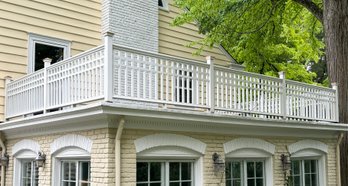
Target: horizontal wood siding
pixel 78 21
pixel 174 40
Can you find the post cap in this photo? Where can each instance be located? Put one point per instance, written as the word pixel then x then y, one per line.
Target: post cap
pixel 209 59
pixel 281 74
pixel 334 85
pixel 8 79
pixel 108 34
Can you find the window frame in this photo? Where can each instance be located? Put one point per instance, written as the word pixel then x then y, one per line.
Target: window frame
pixel 302 169
pixel 77 162
pixel 165 6
pixel 34 171
pixel 165 170
pixel 46 40
pixel 243 173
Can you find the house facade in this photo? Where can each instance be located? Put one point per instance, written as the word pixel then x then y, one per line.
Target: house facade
pixel 107 93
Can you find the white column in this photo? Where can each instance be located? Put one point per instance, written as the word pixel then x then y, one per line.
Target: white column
pixel 283 95
pixel 47 62
pixel 336 111
pixel 211 93
pixel 108 66
pixel 8 80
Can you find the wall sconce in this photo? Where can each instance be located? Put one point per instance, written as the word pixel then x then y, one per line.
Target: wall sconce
pixel 4 160
pixel 40 159
pixel 219 164
pixel 286 162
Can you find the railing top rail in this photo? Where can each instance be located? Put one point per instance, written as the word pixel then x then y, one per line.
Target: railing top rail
pixel 24 77
pixel 310 86
pixel 248 73
pixel 162 56
pixel 80 55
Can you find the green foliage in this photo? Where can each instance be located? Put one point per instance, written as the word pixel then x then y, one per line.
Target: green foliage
pixel 266 36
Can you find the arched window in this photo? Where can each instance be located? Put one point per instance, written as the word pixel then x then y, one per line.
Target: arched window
pixel 71 160
pixel 247 160
pixel 308 162
pixel 167 159
pixel 25 171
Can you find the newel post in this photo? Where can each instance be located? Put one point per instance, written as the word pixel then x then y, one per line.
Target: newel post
pixel 8 79
pixel 108 67
pixel 336 111
pixel 211 92
pixel 47 62
pixel 283 95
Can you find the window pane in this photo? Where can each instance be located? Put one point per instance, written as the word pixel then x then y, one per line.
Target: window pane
pixel 155 184
pixel 73 171
pixel 43 51
pixel 250 170
pixel 160 3
pixel 174 171
pixel 236 170
pixel 228 170
pixel 295 167
pixel 251 182
pixel 307 165
pixel 186 171
pixel 228 183
pixel 307 180
pixel 85 171
pixel 296 181
pixel 155 171
pixel 314 179
pixel 259 182
pixel 175 184
pixel 142 171
pixel 142 184
pixel 186 184
pixel 259 169
pixel 65 170
pixel 313 166
pixel 237 183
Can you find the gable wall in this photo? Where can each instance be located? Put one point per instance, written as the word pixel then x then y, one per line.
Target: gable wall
pixel 174 40
pixel 78 21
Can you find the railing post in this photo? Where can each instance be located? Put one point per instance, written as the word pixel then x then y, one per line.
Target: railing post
pixel 47 63
pixel 336 111
pixel 210 61
pixel 8 79
pixel 108 66
pixel 283 95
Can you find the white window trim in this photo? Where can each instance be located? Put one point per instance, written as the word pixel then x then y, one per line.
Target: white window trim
pixel 165 5
pixel 311 149
pixel 68 147
pixel 251 148
pixel 162 146
pixel 35 38
pixel 23 150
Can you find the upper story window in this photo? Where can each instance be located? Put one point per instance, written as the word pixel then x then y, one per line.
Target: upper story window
pixel 163 4
pixel 41 47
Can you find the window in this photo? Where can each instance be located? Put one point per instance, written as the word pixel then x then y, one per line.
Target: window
pixel 29 175
pixel 245 172
pixel 41 47
pixel 163 4
pixel 169 160
pixel 247 160
pixel 75 173
pixel 308 163
pixel 166 173
pixel 304 172
pixel 183 87
pixel 71 161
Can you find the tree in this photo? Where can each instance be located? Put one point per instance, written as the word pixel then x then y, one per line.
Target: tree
pixel 272 35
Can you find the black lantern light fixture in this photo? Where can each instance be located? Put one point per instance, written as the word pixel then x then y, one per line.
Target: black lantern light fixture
pixel 40 159
pixel 219 164
pixel 4 160
pixel 286 162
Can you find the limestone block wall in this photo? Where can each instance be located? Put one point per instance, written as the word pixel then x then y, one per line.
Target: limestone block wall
pixel 215 144
pixel 102 156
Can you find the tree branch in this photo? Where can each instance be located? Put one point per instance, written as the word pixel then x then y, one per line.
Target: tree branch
pixel 312 7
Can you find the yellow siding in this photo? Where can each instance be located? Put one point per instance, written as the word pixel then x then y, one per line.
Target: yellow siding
pixel 78 21
pixel 174 40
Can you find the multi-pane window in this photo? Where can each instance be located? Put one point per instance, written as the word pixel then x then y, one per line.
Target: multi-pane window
pixel 304 172
pixel 75 173
pixel 183 86
pixel 166 173
pixel 29 173
pixel 245 173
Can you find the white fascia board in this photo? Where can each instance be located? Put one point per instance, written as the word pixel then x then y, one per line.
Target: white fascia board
pixel 104 116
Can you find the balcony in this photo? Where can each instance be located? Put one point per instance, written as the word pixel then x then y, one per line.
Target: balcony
pixel 123 75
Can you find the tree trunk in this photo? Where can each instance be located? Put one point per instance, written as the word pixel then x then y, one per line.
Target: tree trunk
pixel 336 38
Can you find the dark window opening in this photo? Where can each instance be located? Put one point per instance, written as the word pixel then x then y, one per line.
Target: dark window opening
pixel 43 51
pixel 160 3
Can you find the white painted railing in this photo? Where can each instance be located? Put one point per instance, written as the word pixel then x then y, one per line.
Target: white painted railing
pixel 119 74
pixel 77 80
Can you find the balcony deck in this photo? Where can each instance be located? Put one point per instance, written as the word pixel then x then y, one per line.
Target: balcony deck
pixel 118 74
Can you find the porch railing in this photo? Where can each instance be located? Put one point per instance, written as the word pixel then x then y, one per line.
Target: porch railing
pixel 113 73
